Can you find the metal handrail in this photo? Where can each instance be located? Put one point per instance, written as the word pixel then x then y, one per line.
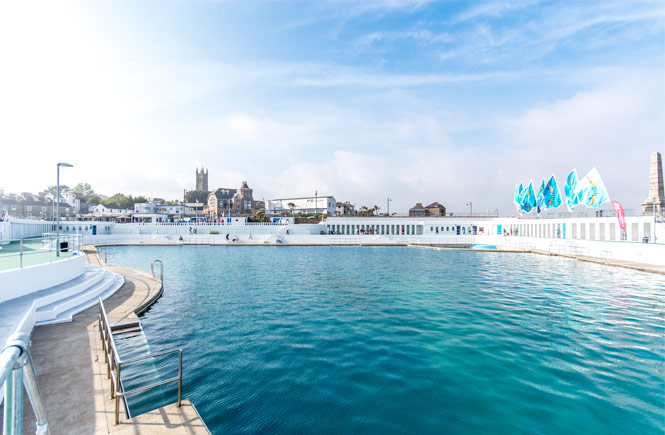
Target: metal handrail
pixel 16 368
pixel 605 256
pixel 114 363
pixel 161 269
pixel 74 248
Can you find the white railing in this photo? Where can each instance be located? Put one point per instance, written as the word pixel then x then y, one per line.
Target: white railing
pixel 70 245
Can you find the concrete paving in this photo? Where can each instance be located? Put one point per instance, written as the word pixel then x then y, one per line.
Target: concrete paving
pixel 71 371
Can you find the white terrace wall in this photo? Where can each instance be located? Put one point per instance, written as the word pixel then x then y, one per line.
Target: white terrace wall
pixel 25 228
pixel 15 283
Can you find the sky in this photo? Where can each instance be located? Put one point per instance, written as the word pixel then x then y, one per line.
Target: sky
pixel 417 101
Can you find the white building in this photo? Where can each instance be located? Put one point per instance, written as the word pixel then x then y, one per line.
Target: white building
pixel 158 211
pixel 304 205
pixel 73 199
pixel 102 210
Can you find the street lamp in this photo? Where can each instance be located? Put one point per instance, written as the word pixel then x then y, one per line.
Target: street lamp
pixel 316 203
pixel 57 208
pixel 388 201
pixel 470 204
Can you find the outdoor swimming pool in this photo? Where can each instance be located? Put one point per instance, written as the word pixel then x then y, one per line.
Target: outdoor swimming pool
pixel 397 340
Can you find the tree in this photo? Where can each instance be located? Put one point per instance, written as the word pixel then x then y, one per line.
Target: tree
pixel 196 196
pixel 85 189
pixel 119 201
pixel 291 206
pixel 375 209
pixel 94 199
pixel 53 189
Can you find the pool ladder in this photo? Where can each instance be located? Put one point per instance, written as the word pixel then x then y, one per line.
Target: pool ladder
pixel 114 363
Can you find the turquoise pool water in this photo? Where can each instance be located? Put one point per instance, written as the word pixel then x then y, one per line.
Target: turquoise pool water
pixel 402 340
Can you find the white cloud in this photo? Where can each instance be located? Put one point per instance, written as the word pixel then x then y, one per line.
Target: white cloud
pixel 614 127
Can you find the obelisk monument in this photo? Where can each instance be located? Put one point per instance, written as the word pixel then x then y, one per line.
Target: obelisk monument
pixel 656 197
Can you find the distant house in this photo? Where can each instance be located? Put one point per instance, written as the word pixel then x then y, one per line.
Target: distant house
pixel 433 210
pixel 100 210
pixel 220 203
pixel 418 210
pixel 158 211
pixel 344 208
pixel 436 209
pixel 231 202
pixel 30 206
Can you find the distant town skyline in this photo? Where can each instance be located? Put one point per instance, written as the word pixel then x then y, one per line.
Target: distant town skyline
pixel 417 101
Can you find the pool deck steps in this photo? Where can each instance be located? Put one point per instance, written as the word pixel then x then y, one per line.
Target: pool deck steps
pixel 58 303
pixel 64 309
pixel 71 372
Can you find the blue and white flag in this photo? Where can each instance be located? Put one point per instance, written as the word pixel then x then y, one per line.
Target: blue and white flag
pixel 518 195
pixel 528 198
pixel 591 190
pixel 552 194
pixel 570 188
pixel 540 198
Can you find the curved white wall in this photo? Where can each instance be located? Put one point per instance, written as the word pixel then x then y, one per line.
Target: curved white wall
pixel 19 282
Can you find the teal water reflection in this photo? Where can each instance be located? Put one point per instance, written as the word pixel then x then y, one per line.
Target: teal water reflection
pixel 400 340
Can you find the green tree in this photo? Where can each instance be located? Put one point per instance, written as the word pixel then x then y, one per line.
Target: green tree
pixel 85 189
pixel 119 201
pixel 196 196
pixel 94 199
pixel 292 206
pixel 53 189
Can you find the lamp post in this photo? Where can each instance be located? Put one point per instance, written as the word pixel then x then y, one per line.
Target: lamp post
pixel 57 208
pixel 316 203
pixel 388 202
pixel 470 204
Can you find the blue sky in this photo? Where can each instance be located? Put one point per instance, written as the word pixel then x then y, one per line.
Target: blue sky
pixel 420 101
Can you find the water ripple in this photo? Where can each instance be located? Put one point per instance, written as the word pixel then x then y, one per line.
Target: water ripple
pixel 398 340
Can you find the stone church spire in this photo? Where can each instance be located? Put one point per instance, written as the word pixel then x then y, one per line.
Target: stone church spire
pixel 202 179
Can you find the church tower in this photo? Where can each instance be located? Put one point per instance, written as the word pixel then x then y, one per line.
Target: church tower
pixel 202 179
